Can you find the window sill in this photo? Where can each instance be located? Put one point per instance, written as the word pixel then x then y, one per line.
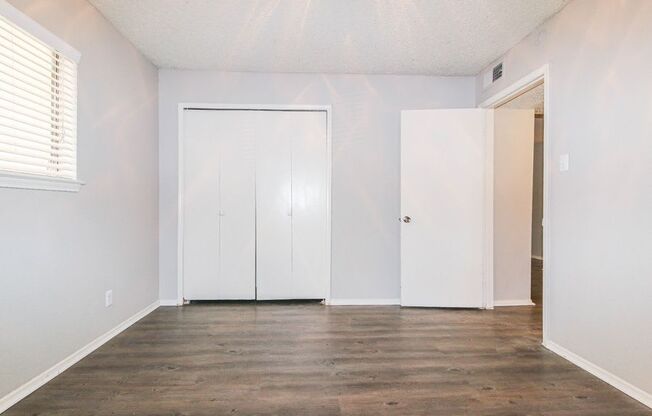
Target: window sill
pixel 43 183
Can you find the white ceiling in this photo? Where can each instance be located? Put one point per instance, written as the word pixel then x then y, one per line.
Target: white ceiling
pixel 434 37
pixel 533 99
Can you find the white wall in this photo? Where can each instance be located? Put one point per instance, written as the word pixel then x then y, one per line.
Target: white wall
pixel 513 149
pixel 365 186
pixel 537 190
pixel 599 265
pixel 59 252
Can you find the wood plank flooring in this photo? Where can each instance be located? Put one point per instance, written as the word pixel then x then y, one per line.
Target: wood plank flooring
pixel 308 359
pixel 536 282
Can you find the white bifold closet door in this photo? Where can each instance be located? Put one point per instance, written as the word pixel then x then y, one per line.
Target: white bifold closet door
pixel 255 205
pixel 219 205
pixel 291 206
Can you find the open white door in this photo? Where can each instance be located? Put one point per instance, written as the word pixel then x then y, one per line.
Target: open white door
pixel 443 156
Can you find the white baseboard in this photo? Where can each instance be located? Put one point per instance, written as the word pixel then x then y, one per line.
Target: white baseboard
pixel 169 302
pixel 364 302
pixel 617 382
pixel 514 302
pixel 23 391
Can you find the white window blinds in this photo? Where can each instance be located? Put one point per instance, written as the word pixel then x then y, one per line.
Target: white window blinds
pixel 38 106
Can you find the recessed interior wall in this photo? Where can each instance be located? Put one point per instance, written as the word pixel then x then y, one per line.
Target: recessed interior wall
pixel 365 168
pixel 512 228
pixel 61 251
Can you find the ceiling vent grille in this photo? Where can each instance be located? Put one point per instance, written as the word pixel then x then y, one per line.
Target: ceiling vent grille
pixel 491 75
pixel 497 72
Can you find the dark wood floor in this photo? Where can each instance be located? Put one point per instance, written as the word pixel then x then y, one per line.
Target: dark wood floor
pixel 536 287
pixel 307 359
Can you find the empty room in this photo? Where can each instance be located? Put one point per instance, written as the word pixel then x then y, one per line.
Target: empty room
pixel 326 207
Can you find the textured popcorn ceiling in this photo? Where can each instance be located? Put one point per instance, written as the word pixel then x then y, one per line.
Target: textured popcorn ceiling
pixel 434 37
pixel 532 99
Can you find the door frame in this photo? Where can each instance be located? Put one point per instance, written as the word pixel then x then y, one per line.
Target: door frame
pixel 249 107
pixel 531 80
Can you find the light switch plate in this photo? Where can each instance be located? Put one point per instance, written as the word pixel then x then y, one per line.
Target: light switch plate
pixel 564 162
pixel 108 298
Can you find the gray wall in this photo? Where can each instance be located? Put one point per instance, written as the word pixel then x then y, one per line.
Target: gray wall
pixel 537 190
pixel 59 252
pixel 365 186
pixel 599 222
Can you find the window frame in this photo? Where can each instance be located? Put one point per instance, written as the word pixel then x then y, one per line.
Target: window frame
pixel 9 179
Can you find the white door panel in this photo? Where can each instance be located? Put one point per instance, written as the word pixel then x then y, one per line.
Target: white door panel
pixel 219 210
pixel 201 206
pixel 237 279
pixel 309 206
pixel 442 191
pixel 292 207
pixel 274 208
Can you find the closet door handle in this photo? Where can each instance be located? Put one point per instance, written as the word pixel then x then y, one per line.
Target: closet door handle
pixel 221 213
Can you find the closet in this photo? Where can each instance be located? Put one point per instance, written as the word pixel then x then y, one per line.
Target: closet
pixel 255 204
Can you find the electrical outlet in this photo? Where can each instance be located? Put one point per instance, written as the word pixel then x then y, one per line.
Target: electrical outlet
pixel 108 298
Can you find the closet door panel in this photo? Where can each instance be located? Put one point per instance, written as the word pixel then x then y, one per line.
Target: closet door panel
pixel 273 206
pixel 237 277
pixel 309 206
pixel 201 206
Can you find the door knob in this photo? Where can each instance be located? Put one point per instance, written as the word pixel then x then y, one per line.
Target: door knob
pixel 407 219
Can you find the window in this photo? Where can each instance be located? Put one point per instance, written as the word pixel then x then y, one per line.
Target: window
pixel 38 103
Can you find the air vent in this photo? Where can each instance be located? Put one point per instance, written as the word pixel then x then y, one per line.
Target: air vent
pixel 497 72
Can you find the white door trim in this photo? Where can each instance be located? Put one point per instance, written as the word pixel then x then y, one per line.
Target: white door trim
pixel 252 107
pixel 488 260
pixel 541 75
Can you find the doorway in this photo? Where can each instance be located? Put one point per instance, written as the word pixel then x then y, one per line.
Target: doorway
pixel 533 100
pixel 449 231
pixel 254 202
pixel 518 199
pixel 528 95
